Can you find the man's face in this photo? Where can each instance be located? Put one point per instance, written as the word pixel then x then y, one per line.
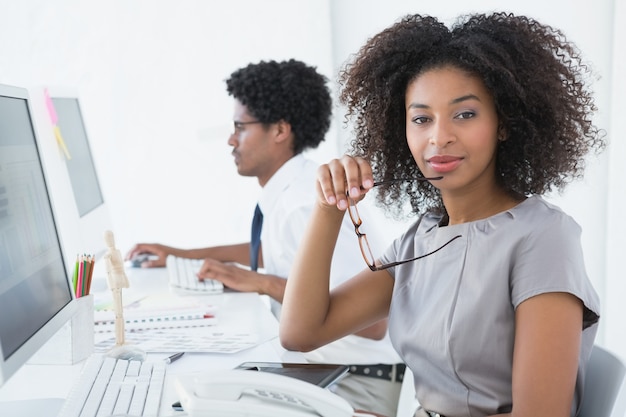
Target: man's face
pixel 252 143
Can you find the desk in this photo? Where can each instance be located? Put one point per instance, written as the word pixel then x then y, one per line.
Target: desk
pixel 236 311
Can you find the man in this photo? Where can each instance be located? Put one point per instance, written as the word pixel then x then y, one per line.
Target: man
pixel 282 109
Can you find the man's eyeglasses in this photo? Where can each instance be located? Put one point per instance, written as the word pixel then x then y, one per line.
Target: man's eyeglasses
pixel 366 250
pixel 238 126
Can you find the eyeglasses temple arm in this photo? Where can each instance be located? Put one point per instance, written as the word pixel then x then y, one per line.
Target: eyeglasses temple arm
pixel 392 264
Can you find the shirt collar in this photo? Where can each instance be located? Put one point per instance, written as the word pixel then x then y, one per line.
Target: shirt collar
pixel 279 181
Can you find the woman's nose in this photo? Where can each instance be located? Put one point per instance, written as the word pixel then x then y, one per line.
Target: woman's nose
pixel 442 134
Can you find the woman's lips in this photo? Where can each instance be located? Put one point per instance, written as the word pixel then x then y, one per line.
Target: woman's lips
pixel 444 163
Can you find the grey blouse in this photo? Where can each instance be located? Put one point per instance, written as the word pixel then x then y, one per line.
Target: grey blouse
pixel 452 316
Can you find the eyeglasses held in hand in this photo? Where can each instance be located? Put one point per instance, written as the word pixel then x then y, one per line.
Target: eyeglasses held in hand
pixel 366 250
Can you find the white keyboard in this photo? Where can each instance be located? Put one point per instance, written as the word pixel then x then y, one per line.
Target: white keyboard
pixel 109 386
pixel 183 278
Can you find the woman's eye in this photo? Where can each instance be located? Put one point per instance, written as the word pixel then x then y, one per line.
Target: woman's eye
pixel 466 115
pixel 420 120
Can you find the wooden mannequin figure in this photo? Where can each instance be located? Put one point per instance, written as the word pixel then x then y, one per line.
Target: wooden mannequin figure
pixel 116 281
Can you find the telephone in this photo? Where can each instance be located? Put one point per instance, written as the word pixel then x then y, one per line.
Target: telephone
pixel 242 393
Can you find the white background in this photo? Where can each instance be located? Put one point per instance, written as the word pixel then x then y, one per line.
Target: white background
pixel 150 75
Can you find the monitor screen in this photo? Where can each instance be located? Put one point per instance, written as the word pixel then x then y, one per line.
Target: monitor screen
pixel 35 292
pixel 80 166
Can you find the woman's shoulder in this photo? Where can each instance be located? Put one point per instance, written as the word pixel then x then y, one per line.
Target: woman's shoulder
pixel 543 214
pixel 534 216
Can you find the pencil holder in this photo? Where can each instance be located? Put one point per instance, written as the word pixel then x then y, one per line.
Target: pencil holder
pixel 74 341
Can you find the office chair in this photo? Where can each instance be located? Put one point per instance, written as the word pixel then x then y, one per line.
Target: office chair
pixel 605 393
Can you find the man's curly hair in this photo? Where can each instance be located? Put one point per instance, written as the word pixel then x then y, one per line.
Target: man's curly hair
pixel 289 90
pixel 534 74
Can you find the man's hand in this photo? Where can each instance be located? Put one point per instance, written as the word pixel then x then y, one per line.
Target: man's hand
pixel 232 276
pixel 240 279
pixel 153 249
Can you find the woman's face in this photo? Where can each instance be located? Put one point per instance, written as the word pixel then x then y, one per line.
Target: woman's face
pixel 452 128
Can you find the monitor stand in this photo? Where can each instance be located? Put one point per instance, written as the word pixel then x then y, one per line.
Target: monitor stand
pixel 31 408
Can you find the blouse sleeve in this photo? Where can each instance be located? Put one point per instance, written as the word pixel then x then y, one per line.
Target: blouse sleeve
pixel 550 259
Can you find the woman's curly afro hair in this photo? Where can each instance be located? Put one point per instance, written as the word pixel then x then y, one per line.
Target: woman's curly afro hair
pixel 534 74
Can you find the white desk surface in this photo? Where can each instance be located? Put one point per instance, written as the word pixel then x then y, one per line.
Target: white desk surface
pixel 235 311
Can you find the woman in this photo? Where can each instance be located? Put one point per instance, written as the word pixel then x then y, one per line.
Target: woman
pixel 488 300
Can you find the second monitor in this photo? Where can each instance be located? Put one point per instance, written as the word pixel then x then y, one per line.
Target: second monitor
pixel 81 167
pixel 80 204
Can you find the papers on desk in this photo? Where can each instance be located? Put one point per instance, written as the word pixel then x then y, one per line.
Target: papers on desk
pixel 189 320
pixel 200 340
pixel 159 311
pixel 167 323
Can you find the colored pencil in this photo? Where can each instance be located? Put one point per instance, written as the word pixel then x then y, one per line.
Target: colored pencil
pixel 75 275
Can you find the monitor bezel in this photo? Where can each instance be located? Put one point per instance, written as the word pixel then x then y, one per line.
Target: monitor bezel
pixel 12 364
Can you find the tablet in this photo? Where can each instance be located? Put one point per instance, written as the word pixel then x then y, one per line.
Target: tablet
pixel 322 375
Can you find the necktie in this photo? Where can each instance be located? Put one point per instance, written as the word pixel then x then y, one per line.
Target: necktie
pixel 255 238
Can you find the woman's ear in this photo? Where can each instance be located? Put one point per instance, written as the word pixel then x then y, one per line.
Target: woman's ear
pixel 501 134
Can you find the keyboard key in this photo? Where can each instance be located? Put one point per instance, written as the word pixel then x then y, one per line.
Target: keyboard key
pixel 155 389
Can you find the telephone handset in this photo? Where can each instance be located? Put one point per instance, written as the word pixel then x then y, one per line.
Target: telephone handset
pixel 242 393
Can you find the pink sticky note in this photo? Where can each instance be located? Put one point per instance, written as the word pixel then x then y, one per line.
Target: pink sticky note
pixel 51 111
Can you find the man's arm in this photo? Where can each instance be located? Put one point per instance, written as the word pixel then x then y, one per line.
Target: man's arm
pixel 239 253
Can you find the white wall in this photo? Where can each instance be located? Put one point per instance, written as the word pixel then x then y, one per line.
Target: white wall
pixel 151 73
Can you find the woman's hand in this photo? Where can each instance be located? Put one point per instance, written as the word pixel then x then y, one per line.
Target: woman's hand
pixel 342 178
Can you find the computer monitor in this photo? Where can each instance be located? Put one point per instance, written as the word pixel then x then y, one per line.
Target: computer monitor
pixel 82 211
pixel 35 293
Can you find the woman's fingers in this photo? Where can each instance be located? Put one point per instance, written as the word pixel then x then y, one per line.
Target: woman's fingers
pixel 325 184
pixel 342 178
